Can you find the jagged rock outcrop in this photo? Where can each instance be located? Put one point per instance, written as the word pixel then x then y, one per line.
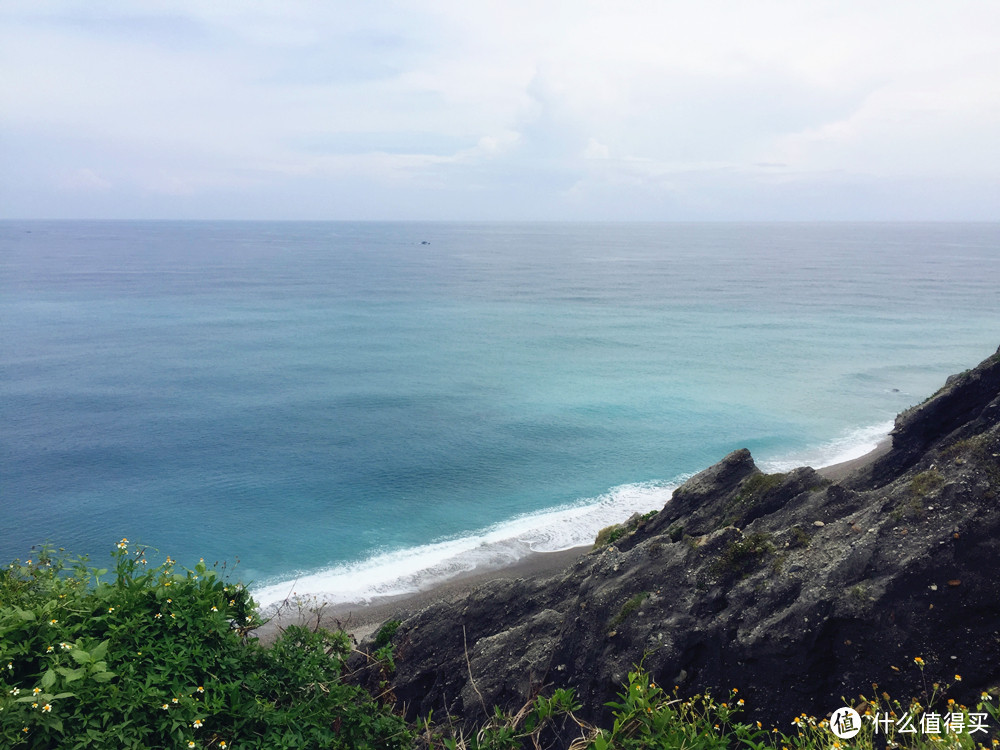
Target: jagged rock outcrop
pixel 793 589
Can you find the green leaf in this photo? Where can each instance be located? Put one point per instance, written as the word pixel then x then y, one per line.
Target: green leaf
pixel 102 676
pixel 71 675
pixel 48 679
pixel 100 651
pixel 80 656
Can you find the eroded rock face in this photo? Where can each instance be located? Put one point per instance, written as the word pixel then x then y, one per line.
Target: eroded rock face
pixel 790 588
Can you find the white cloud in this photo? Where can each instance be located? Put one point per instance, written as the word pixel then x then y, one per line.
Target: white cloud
pixel 596 150
pixel 83 180
pixel 180 97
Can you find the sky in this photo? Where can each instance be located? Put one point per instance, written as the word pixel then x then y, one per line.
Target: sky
pixel 666 110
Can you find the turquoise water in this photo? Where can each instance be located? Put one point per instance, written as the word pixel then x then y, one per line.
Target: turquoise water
pixel 341 405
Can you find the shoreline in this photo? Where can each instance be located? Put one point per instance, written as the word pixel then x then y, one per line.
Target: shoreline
pixel 362 619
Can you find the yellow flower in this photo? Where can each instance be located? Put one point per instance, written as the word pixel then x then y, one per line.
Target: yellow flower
pixel 918 661
pixel 110 610
pixel 191 743
pixel 201 689
pixel 176 700
pixel 36 691
pixel 53 622
pixel 50 649
pixel 739 702
pixel 65 646
pixel 47 708
pixel 958 678
pixel 165 706
pixel 197 724
pixel 215 609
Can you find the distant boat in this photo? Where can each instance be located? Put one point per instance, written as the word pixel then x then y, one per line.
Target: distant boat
pixel 424 242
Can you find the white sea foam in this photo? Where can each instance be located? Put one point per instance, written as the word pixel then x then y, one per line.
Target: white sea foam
pixel 415 569
pixel 410 570
pixel 854 444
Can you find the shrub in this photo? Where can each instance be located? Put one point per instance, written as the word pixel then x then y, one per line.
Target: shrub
pixel 160 656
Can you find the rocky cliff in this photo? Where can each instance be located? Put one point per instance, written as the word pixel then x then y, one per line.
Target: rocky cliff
pixel 793 589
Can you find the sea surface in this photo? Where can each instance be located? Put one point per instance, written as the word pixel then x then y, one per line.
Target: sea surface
pixel 355 409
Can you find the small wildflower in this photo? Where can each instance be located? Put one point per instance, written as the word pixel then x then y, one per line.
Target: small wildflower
pixel 215 609
pixel 740 702
pixel 47 708
pixel 223 744
pixel 157 616
pixel 165 706
pixel 173 615
pixel 110 610
pixel 197 724
pixel 34 705
pixel 10 665
pixel 918 661
pixel 191 743
pixel 170 601
pixel 65 646
pixel 201 689
pixel 50 649
pixel 36 691
pixel 28 562
pixel 15 691
pixel 986 696
pixel 53 622
pixel 759 725
pixel 176 700
pixel 232 602
pixel 958 678
pixel 249 618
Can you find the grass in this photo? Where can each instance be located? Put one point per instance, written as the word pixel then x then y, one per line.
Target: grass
pixel 627 609
pixel 741 555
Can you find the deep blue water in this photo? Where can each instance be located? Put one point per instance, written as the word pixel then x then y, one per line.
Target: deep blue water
pixel 342 400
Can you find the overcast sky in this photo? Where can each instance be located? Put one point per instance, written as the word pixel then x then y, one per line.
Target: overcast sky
pixel 434 109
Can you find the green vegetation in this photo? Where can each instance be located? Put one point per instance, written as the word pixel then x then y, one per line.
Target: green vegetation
pixel 741 555
pixel 926 481
pixel 611 534
pixel 157 656
pixel 161 657
pixel 627 609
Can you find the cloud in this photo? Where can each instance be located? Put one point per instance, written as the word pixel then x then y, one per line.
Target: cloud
pixel 220 100
pixel 83 180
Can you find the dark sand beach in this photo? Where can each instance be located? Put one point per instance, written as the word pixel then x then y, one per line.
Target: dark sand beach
pixel 362 619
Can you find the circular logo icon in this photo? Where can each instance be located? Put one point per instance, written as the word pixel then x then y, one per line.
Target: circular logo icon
pixel 845 722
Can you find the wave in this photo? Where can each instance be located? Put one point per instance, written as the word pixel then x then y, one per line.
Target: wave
pixel 849 446
pixel 414 569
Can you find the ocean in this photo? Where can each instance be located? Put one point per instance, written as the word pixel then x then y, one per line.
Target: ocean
pixel 356 409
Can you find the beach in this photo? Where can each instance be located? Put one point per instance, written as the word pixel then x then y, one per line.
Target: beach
pixel 362 619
